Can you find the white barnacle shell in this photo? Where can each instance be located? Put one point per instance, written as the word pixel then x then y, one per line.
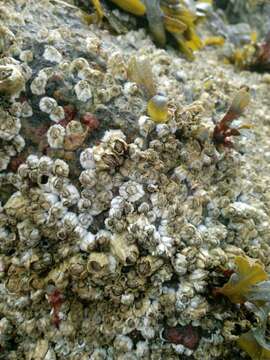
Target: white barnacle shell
pixel 38 85
pixel 83 90
pixel 146 125
pixel 11 80
pixel 85 219
pixel 78 65
pixel 142 349
pixel 55 136
pixel 70 195
pixel 57 114
pixel 52 54
pixel 18 142
pixel 162 130
pixel 70 221
pixel 9 126
pixel 180 264
pixel 99 354
pixel 87 242
pixel 87 159
pixel 60 168
pixel 131 191
pixel 88 178
pixel 116 66
pixel 32 161
pixel 45 165
pixel 74 127
pixel 123 343
pixel 111 135
pixel 47 104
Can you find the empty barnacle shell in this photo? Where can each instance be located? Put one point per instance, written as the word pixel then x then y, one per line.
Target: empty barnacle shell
pixel 101 264
pixel 12 81
pixel 55 136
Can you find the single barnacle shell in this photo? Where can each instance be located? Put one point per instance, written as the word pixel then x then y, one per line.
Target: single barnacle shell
pixel 123 343
pixel 70 221
pixel 88 178
pixel 83 90
pixel 52 54
pixel 12 81
pixel 9 125
pixel 180 264
pixel 78 65
pixel 23 171
pixel 32 161
pixel 57 114
pixel 70 195
pixel 28 233
pixel 103 238
pixel 18 142
pixel 87 159
pixel 74 127
pixel 117 66
pixel 7 38
pixel 45 165
pixel 146 125
pixel 60 168
pixel 38 85
pixel 101 264
pixel 131 191
pixel 147 265
pixel 93 76
pixel 17 206
pixel 126 253
pixel 87 240
pixel 47 104
pixel 85 219
pixel 55 136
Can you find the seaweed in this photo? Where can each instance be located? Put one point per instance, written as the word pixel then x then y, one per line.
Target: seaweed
pixel 166 16
pixel 223 131
pixel 249 272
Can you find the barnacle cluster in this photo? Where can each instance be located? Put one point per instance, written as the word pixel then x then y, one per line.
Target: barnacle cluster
pixel 118 207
